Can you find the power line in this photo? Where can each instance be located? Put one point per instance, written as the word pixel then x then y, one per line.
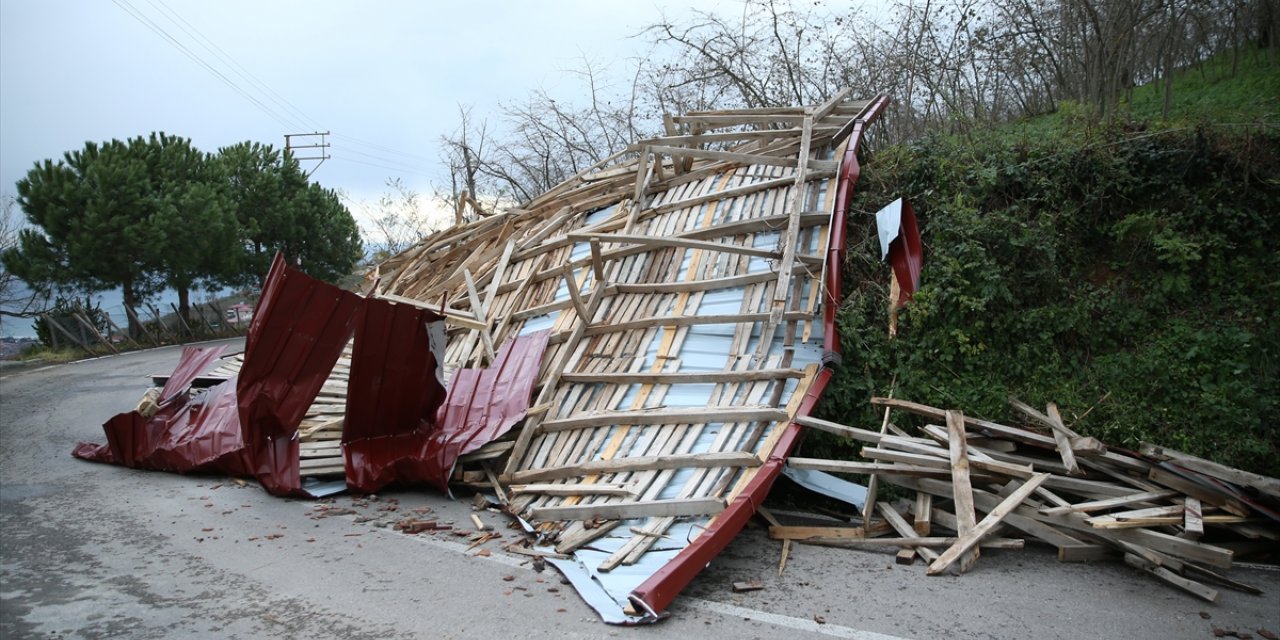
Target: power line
pixel 382 148
pixel 381 166
pixel 239 69
pixel 288 115
pixel 158 30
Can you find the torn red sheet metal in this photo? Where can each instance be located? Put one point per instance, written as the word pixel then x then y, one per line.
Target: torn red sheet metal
pixel 400 424
pixel 655 594
pixel 906 254
pixel 481 405
pixel 392 396
pixel 185 434
pixel 298 332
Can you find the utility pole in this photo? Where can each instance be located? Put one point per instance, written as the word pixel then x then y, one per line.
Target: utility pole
pixel 322 146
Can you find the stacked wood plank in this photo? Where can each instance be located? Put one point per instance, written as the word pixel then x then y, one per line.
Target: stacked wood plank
pixel 1175 516
pixel 320 433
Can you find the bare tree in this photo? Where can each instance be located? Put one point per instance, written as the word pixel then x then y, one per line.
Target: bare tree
pixel 16 300
pixel 402 218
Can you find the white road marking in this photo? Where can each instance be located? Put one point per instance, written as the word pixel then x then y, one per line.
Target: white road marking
pixel 799 624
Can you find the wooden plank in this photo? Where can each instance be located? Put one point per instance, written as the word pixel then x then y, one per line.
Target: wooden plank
pixel 1205 495
pixel 930 542
pixel 687 320
pixel 1084 553
pixel 735 120
pixel 961 490
pixel 639 463
pixel 969 540
pixel 663 242
pixel 738 191
pixel 1262 483
pixel 577 489
pixel 1012 433
pixel 785 532
pixel 905 530
pixel 853 433
pixel 628 510
pixel 1190 586
pixel 846 466
pixel 720 414
pixel 1018 519
pixel 1111 503
pixel 742 158
pixel 923 513
pixel 1063 440
pixel 1193 520
pixel 683 377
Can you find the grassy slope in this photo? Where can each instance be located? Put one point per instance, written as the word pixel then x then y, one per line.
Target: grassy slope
pixel 1124 272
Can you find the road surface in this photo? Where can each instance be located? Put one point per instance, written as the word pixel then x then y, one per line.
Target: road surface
pixel 92 551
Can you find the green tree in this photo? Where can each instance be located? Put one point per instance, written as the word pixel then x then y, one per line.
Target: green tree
pixel 189 203
pixel 88 230
pixel 279 210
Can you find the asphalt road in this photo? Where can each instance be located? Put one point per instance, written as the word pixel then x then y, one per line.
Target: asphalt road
pixel 90 551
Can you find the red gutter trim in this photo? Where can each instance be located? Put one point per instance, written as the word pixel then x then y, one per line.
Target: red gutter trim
pixel 656 593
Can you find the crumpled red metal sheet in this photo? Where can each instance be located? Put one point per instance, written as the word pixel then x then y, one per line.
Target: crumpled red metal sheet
pixel 298 332
pixel 401 425
pixel 481 405
pixel 392 396
pixel 906 253
pixel 185 434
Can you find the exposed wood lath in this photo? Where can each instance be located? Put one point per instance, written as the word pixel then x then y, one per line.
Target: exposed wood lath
pixel 683 281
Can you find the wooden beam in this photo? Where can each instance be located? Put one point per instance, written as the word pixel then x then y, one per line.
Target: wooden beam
pixel 742 158
pixel 1062 438
pixel 1110 503
pixel 962 491
pixel 594 488
pixel 777 183
pixel 663 242
pixel 683 377
pixel 1012 433
pixel 641 463
pixel 969 540
pixel 685 321
pixel 1193 519
pixel 847 466
pixel 693 415
pixel 905 530
pixel 1262 483
pixel 784 532
pixel 628 510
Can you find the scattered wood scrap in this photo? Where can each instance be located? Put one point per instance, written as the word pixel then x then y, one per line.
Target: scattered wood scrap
pixel 1174 516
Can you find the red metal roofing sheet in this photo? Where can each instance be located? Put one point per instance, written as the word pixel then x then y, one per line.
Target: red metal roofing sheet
pixel 481 405
pixel 185 434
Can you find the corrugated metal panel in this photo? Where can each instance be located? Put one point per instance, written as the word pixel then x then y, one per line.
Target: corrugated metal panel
pixel 185 434
pixel 400 425
pixel 299 329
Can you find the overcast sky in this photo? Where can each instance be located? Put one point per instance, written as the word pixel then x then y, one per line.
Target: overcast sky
pixel 386 77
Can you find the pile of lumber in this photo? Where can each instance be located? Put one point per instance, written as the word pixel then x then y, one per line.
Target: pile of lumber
pixel 320 433
pixel 1180 518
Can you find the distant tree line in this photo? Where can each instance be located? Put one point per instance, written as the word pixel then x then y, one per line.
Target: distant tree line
pixel 153 212
pixel 947 64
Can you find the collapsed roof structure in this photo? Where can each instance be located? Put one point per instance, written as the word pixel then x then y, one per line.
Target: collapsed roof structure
pixel 625 356
pixel 690 294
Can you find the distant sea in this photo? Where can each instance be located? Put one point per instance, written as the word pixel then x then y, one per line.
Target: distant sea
pixel 111 302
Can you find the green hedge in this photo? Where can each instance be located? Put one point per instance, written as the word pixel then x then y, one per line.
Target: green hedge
pixel 1130 275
